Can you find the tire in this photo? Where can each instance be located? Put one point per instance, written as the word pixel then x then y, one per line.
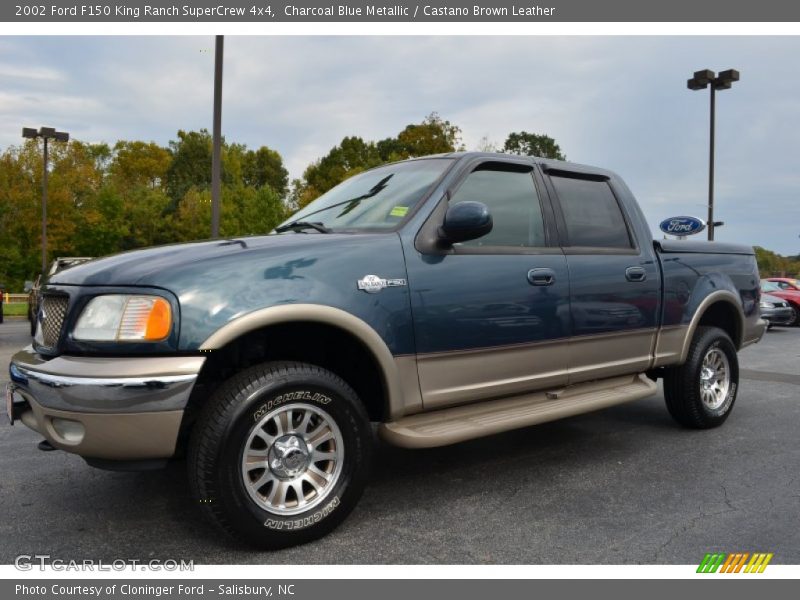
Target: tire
pixel 684 393
pixel 795 322
pixel 286 415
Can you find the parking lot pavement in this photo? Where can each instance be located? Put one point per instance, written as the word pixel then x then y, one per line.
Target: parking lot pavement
pixel 624 485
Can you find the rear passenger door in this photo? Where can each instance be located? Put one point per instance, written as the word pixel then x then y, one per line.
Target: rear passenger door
pixel 491 315
pixel 614 279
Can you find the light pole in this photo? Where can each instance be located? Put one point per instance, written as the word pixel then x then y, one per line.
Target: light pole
pixel 46 133
pixel 723 81
pixel 216 149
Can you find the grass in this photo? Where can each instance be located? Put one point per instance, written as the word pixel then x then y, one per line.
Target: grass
pixel 17 309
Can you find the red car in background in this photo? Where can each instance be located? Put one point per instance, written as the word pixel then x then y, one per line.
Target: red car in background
pixel 786 288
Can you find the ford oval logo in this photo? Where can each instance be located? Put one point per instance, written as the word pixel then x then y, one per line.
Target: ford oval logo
pixel 682 225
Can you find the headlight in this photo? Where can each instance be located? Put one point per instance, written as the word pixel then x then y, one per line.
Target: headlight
pixel 124 318
pixel 765 305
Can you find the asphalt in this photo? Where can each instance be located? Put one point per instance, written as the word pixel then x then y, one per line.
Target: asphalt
pixel 621 486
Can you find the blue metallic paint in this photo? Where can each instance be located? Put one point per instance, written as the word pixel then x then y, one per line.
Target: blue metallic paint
pixel 457 301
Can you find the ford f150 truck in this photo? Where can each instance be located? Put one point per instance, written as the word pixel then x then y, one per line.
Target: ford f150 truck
pixel 445 298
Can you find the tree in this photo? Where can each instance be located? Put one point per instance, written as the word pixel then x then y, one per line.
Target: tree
pixel 265 167
pixel 486 145
pixel 771 264
pixel 432 136
pixel 191 163
pixel 354 155
pixel 532 144
pixel 137 163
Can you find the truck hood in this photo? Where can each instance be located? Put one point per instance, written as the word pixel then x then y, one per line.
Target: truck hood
pixel 218 281
pixel 161 265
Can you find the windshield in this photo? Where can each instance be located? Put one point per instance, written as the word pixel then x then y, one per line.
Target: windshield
pixel 769 286
pixel 376 199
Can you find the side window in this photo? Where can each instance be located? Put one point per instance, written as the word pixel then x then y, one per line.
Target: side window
pixel 784 285
pixel 513 202
pixel 592 213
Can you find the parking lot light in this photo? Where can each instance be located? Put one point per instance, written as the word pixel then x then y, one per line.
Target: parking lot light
pixel 706 78
pixel 46 133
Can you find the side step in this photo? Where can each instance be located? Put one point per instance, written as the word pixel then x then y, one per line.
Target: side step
pixel 460 423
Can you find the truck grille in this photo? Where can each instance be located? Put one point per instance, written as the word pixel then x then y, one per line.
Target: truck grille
pixel 54 309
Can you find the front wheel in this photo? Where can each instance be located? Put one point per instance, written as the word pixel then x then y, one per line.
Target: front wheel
pixel 280 454
pixel 794 321
pixel 701 392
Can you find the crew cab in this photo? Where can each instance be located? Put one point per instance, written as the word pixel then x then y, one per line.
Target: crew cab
pixel 445 298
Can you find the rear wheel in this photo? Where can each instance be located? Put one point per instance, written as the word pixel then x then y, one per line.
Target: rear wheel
pixel 701 392
pixel 280 454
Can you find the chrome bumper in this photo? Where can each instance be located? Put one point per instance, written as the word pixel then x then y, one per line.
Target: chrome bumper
pixel 120 408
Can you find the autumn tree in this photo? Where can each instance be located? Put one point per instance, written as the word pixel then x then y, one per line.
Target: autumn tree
pixel 533 144
pixel 136 163
pixel 354 155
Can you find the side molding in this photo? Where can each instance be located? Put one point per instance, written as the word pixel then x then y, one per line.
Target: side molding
pixel 401 394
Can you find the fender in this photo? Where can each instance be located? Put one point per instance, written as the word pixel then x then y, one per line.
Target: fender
pixel 714 297
pixel 399 374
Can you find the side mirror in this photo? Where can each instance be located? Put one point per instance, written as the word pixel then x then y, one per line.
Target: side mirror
pixel 465 221
pixel 28 286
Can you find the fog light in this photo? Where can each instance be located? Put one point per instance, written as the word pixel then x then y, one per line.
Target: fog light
pixel 70 432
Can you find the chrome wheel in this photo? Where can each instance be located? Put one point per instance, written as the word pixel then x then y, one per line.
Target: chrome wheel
pixel 714 378
pixel 292 459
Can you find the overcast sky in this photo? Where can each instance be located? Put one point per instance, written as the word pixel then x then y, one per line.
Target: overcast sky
pixel 615 102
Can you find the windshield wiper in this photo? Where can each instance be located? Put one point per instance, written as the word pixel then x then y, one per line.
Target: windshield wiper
pixel 354 202
pixel 300 225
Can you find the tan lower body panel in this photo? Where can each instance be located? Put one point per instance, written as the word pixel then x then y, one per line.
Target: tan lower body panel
pixel 117 436
pixel 449 378
pixel 604 355
pixel 457 424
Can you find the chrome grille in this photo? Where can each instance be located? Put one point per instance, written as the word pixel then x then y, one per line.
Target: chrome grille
pixel 51 319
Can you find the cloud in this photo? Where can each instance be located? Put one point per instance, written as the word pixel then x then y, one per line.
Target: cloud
pixel 617 102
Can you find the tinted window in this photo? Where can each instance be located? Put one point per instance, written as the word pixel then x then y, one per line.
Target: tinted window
pixel 513 203
pixel 592 214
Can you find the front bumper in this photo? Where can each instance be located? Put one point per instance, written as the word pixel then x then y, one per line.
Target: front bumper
pixel 778 315
pixel 119 408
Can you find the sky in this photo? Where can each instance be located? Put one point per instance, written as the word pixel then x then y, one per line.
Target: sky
pixel 618 102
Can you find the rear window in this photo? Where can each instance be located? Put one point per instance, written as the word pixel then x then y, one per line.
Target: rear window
pixel 591 212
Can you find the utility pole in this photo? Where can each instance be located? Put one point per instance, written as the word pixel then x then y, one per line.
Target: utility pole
pixel 216 158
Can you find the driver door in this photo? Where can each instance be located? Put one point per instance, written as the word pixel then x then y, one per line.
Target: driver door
pixel 491 316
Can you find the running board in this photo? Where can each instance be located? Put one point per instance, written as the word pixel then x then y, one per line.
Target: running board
pixel 460 423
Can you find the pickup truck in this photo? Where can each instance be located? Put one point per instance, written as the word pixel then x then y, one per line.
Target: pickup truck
pixel 444 298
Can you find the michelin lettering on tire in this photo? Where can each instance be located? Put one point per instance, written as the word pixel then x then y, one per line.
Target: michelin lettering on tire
pixel 290 397
pixel 305 521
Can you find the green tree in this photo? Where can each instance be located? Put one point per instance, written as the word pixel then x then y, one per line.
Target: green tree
pixel 354 155
pixel 191 163
pixel 265 167
pixel 771 264
pixel 433 136
pixel 533 144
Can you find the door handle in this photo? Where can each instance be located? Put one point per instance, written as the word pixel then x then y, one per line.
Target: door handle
pixel 635 274
pixel 541 276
